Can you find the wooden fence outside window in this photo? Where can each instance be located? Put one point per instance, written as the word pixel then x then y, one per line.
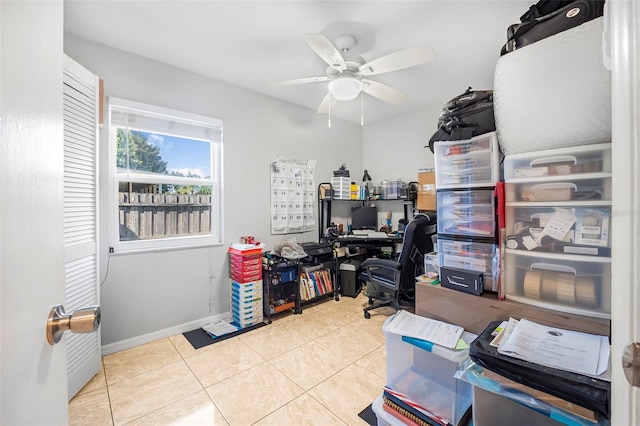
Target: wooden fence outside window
pixel 154 216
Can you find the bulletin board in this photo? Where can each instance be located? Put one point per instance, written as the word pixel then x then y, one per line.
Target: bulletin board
pixel 292 196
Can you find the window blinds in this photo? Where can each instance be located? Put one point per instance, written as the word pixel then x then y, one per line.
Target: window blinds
pixel 125 114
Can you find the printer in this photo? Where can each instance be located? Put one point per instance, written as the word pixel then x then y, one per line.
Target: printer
pixel 318 252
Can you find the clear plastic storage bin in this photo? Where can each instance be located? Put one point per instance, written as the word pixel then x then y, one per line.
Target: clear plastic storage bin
pixel 475 212
pixel 574 284
pixel 426 375
pixel 467 163
pixel 552 228
pixel 574 161
pixel 472 256
pixel 578 190
pixel 476 196
pixel 490 409
pixel 470 228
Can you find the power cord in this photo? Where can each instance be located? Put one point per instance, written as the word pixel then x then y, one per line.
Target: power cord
pixel 111 251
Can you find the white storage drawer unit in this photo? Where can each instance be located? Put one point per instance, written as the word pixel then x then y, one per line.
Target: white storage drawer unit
pixel 567 283
pixel 472 256
pixel 341 188
pixel 468 163
pixel 574 161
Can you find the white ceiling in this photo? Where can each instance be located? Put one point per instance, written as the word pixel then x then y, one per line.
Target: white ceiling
pixel 254 43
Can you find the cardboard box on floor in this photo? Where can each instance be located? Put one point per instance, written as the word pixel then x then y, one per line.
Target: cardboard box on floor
pixel 426 191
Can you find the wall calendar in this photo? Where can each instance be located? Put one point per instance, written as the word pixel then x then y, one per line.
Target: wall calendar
pixel 292 196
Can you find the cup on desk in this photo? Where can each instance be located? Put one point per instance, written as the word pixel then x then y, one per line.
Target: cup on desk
pixel 340 228
pixel 349 229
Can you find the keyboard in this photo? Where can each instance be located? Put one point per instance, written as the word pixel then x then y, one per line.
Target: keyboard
pixel 361 232
pixel 377 235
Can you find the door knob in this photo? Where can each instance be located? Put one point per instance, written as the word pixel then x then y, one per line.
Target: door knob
pixel 83 320
pixel 631 363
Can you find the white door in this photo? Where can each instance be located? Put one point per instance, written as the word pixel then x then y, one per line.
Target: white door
pixel 623 19
pixel 33 384
pixel 80 101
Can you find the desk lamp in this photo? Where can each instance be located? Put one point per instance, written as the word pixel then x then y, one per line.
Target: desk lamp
pixel 366 182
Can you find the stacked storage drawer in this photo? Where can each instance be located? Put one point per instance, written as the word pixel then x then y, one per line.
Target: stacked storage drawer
pixel 466 174
pixel 558 220
pixel 341 188
pixel 245 272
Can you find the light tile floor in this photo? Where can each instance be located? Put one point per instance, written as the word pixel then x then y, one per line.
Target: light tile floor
pixel 319 368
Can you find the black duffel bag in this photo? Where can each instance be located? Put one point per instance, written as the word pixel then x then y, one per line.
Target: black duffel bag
pixel 585 391
pixel 465 116
pixel 549 17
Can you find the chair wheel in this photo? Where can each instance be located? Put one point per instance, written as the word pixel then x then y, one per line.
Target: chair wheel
pixel 367 315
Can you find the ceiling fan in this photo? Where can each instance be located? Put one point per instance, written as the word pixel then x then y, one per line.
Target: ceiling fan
pixel 347 74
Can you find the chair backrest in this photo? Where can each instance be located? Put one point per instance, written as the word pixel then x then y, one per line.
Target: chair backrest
pixel 416 244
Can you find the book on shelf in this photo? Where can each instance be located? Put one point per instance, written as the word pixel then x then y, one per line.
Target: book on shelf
pixel 314 282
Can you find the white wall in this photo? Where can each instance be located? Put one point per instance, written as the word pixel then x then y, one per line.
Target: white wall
pixel 150 292
pixel 395 149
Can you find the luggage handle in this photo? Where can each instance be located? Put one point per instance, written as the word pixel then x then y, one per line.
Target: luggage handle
pixel 559 185
pixel 558 209
pixel 539 215
pixel 554 267
pixel 556 159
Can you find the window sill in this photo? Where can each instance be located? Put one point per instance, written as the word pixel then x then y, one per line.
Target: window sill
pixel 127 251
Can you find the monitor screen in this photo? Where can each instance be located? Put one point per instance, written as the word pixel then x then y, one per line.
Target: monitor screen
pixel 364 218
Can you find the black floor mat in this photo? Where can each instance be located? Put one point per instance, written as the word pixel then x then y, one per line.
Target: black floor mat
pixel 200 338
pixel 368 416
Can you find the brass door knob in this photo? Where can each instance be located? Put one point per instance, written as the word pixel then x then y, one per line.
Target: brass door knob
pixel 83 320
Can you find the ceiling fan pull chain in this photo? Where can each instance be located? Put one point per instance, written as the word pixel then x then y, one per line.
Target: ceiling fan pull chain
pixel 329 110
pixel 362 108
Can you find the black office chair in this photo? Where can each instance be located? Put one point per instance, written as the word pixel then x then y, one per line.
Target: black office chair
pixel 394 280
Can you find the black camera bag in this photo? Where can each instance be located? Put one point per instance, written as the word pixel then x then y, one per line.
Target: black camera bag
pixel 549 17
pixel 465 116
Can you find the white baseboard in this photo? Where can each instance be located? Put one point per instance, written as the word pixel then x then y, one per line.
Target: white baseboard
pixel 160 334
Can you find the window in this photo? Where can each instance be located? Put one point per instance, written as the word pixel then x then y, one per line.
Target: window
pixel 166 167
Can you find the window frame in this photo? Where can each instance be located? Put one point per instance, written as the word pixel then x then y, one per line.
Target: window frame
pixel 215 237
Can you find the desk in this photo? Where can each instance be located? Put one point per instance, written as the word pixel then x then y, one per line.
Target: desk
pixel 367 242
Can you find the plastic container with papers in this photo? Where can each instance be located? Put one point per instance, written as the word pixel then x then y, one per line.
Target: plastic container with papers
pixel 425 373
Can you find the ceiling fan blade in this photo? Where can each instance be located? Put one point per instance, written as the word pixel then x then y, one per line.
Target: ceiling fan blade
pixel 324 105
pixel 398 60
pixel 326 50
pixel 383 92
pixel 303 80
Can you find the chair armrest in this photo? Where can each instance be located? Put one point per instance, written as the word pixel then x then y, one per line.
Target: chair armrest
pixel 382 263
pixel 383 272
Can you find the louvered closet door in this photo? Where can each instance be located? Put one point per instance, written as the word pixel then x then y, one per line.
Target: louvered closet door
pixel 80 216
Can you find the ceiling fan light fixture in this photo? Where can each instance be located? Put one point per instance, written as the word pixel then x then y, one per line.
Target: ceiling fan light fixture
pixel 345 88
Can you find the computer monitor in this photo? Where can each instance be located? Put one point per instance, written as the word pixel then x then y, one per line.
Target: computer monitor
pixel 364 217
